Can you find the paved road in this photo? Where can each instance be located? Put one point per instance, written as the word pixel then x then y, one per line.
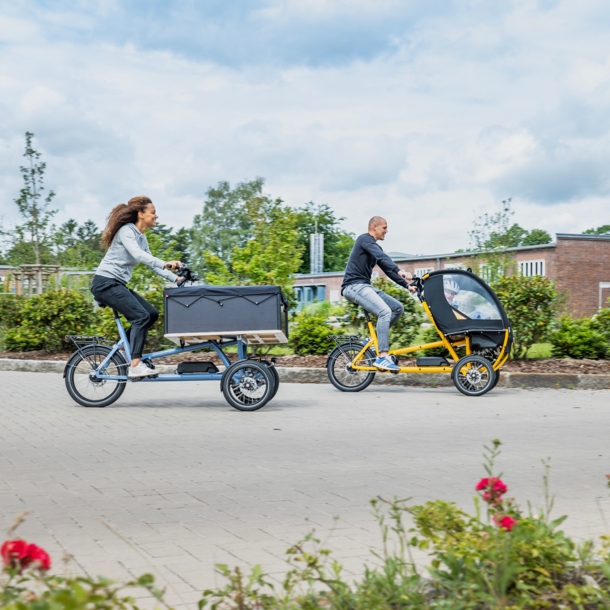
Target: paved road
pixel 191 482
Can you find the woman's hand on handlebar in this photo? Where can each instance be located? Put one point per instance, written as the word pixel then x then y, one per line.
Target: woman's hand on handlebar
pixel 173 265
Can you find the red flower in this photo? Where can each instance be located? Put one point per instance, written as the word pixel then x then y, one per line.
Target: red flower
pixel 38 558
pixel 19 554
pixel 14 552
pixel 492 484
pixel 507 522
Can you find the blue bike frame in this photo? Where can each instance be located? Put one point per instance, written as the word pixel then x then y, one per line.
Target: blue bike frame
pixel 215 345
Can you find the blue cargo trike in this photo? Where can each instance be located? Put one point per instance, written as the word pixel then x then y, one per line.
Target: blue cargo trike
pixel 195 317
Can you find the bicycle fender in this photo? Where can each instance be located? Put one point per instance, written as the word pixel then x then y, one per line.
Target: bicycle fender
pixel 69 364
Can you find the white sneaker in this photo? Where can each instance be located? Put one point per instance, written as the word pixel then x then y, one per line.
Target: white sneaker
pixel 140 370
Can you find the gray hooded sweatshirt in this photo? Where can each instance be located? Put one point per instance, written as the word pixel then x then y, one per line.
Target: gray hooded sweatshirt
pixel 130 247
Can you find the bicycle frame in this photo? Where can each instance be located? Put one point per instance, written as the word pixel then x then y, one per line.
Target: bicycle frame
pixel 217 346
pixel 444 342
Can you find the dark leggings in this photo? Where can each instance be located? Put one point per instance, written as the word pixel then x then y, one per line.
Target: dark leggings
pixel 138 311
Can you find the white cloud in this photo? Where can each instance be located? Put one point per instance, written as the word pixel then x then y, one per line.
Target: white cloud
pixel 462 109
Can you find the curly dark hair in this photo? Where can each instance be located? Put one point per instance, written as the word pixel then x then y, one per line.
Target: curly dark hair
pixel 121 215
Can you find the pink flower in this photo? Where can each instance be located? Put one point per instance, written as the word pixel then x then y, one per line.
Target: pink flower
pixel 507 522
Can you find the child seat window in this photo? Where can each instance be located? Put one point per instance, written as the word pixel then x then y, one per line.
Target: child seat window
pixel 469 299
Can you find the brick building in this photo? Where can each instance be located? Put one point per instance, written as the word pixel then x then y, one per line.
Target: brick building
pixel 579 264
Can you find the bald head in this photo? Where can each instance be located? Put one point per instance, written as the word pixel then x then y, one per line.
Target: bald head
pixel 376 221
pixel 378 227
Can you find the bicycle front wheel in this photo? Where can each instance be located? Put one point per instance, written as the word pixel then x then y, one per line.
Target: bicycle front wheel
pixel 82 383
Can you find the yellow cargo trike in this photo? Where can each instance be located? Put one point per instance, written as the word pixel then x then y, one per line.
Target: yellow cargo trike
pixel 466 314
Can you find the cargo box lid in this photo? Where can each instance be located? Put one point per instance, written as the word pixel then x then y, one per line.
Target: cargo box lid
pixel 254 294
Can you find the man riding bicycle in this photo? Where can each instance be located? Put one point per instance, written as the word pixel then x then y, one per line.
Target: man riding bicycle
pixel 357 287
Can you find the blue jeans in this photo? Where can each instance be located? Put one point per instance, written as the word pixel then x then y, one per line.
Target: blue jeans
pixel 386 308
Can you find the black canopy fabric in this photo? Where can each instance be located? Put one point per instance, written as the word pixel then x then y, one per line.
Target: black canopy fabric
pixel 449 318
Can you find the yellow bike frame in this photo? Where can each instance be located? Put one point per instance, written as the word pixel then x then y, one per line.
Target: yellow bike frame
pixel 444 342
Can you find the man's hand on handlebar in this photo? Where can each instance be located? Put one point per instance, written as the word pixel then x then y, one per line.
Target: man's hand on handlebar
pixel 407 276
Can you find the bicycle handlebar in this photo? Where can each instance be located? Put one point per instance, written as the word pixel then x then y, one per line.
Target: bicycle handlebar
pixel 185 275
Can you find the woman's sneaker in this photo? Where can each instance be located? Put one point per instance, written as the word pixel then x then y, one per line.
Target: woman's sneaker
pixel 140 370
pixel 385 364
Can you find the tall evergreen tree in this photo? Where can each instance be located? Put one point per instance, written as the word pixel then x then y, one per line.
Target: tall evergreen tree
pixel 33 206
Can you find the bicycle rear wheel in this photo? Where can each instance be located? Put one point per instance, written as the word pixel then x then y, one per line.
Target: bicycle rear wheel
pixel 82 384
pixel 341 373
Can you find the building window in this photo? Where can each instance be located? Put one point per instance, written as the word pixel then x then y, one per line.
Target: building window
pixel 530 268
pixel 335 296
pixel 490 273
pixel 421 271
pixel 454 266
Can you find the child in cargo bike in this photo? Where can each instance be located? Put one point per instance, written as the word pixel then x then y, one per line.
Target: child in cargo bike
pixel 127 246
pixel 357 287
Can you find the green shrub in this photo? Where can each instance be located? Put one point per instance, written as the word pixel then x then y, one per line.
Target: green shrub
pixel 580 338
pixel 47 318
pixel 10 310
pixel 310 335
pixel 531 306
pixel 602 322
pixel 403 333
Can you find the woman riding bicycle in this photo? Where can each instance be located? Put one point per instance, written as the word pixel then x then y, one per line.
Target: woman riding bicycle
pixel 127 246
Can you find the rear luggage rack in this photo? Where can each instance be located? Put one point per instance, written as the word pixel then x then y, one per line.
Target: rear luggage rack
pixel 84 340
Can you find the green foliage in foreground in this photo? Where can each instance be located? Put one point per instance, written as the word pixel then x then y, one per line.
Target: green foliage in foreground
pixel 499 558
pixel 475 563
pixel 34 591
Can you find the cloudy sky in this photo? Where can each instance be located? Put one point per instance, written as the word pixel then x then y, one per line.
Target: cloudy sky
pixel 427 112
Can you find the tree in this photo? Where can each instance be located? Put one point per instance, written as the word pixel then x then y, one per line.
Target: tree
pixel 78 245
pixel 603 230
pixel 494 234
pixel 34 232
pixel 224 222
pixel 536 237
pixel 179 242
pixel 337 242
pixel 271 256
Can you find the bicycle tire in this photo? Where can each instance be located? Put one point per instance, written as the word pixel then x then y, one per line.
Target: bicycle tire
pixel 340 359
pixel 276 380
pixel 88 358
pixel 473 375
pixel 248 385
